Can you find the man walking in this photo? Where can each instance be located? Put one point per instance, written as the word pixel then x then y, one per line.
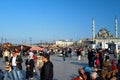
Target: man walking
pixel 47 69
pixel 16 63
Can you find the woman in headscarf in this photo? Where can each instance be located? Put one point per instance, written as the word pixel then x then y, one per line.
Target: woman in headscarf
pixel 29 67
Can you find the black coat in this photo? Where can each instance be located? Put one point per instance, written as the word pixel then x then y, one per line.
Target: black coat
pixel 31 63
pixel 91 55
pixel 19 62
pixel 47 71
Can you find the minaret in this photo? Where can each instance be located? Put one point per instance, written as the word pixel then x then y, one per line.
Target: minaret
pixel 116 27
pixel 93 28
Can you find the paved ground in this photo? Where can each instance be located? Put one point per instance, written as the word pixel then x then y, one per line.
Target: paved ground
pixel 66 70
pixel 62 70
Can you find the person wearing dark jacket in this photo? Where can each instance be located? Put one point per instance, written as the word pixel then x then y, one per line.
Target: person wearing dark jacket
pixel 29 68
pixel 16 64
pixel 91 57
pixel 46 72
pixel 101 58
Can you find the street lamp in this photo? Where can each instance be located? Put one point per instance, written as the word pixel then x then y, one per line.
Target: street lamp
pixel 30 41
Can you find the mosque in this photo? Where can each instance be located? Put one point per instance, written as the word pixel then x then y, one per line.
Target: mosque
pixel 104 39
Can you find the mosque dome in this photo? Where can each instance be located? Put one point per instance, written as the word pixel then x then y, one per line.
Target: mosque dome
pixel 104 33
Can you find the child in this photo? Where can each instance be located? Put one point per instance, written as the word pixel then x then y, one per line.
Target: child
pixel 97 62
pixel 113 65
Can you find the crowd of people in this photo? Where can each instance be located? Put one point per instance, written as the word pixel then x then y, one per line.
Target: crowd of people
pixel 13 65
pixel 100 66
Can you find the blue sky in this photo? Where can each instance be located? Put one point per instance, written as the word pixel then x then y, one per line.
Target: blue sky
pixel 49 20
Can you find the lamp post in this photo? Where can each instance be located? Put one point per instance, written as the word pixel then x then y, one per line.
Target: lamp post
pixel 30 41
pixel 1 40
pixel 5 40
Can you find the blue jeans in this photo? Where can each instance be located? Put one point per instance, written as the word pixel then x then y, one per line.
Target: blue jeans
pixel 17 74
pixel 8 75
pixel 64 58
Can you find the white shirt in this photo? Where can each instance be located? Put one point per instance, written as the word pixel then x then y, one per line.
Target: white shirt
pixel 14 61
pixel 31 55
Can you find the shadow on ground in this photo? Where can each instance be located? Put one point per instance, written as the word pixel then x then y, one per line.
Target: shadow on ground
pixel 79 63
pixel 57 60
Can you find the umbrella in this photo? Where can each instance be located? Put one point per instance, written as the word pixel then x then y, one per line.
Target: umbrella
pixel 7 45
pixel 35 48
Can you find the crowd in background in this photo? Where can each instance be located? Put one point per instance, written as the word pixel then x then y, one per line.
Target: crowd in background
pixel 100 66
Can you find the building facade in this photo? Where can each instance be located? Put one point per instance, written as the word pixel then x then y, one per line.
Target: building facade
pixel 64 43
pixel 104 39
